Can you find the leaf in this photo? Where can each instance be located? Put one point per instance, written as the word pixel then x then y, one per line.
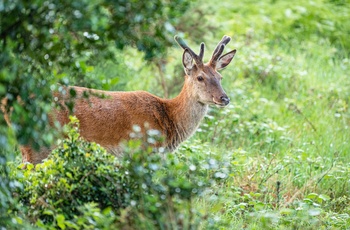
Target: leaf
pixel 60 221
pixel 242 205
pixel 30 167
pixel 69 175
pixel 286 211
pixel 40 224
pixel 314 212
pixel 324 197
pixel 48 212
pixel 217 207
pixel 312 195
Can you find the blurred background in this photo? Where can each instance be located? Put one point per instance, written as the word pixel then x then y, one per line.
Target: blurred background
pixel 286 132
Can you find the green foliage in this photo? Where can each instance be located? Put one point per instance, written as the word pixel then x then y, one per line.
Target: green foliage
pixel 275 158
pixel 45 42
pixel 144 190
pixel 321 22
pixel 76 173
pixel 286 129
pixel 8 204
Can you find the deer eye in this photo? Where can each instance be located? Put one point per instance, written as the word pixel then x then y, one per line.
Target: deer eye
pixel 200 78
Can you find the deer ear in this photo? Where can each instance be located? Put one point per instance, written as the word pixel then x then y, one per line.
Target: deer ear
pixel 225 60
pixel 187 61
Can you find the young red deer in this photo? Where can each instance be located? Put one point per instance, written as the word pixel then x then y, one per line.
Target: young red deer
pixel 110 120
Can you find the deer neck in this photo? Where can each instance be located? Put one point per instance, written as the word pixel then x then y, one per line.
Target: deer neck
pixel 186 112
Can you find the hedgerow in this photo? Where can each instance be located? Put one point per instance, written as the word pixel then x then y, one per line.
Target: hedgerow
pixel 82 186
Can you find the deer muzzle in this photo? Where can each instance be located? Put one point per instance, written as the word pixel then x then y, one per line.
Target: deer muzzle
pixel 225 100
pixel 221 101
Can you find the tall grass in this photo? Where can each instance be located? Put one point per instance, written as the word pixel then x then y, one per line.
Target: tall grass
pixel 286 133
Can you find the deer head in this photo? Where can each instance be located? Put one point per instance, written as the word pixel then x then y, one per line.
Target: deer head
pixel 204 79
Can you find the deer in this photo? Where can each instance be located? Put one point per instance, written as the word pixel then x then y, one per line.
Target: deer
pixel 109 120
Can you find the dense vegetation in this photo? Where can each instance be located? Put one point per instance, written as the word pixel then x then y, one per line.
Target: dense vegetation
pixel 276 158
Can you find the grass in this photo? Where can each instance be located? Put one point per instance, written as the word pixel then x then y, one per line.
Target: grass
pixel 278 156
pixel 285 135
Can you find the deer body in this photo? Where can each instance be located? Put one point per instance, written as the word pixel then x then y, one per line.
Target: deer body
pixel 110 120
pixel 115 116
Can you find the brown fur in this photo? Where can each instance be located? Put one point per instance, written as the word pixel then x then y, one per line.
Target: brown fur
pixel 109 121
pixel 3 105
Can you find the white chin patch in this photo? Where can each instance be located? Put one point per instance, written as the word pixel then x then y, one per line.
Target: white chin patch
pixel 220 106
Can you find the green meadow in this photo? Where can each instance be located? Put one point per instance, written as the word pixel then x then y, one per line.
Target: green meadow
pixel 277 157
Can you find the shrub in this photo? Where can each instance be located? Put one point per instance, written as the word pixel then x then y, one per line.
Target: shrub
pixel 10 216
pixel 77 172
pixel 82 186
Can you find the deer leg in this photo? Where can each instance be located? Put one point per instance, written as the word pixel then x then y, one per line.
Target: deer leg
pixel 34 157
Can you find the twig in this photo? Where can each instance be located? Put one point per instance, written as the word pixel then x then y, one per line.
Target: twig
pixel 86 175
pixel 298 111
pixel 266 170
pixel 278 190
pixel 325 173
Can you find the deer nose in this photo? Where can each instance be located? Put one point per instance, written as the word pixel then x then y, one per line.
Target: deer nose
pixel 224 99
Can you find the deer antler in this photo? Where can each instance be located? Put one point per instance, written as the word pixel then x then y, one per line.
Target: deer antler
pixel 219 49
pixel 197 58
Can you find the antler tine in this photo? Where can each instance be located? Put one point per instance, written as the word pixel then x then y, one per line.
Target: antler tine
pixel 225 40
pixel 216 56
pixel 219 49
pixel 198 59
pixel 201 52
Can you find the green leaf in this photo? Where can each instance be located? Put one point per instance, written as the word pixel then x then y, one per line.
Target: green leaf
pixel 324 197
pixel 312 195
pixel 30 166
pixel 69 175
pixel 60 221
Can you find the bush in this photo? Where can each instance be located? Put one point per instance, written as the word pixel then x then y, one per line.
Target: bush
pixel 76 173
pixel 82 186
pixel 9 208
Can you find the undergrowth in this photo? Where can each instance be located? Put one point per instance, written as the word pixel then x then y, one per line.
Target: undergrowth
pixel 275 158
